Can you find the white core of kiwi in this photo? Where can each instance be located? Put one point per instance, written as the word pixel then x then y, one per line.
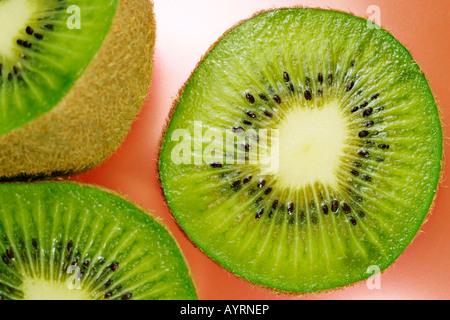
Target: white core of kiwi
pixel 14 17
pixel 312 144
pixel 35 289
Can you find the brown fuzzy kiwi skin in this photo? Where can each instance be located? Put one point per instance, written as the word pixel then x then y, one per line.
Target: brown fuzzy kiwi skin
pixel 291 294
pixel 95 116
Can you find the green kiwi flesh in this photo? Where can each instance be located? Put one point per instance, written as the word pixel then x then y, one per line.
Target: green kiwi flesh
pixel 73 76
pixel 359 150
pixel 68 241
pixel 38 62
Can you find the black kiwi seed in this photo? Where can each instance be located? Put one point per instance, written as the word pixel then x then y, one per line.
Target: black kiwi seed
pixel 383 146
pixel 308 82
pixel 354 109
pixel 39 36
pixel 268 191
pixel 268 114
pixel 308 95
pixel 334 206
pixel 27 44
pixel 108 295
pixel 367 178
pixel 10 77
pixel 330 79
pixel 320 78
pixel 320 92
pixel 314 219
pixel 251 114
pixel 10 253
pixel 108 283
pixel 325 209
pixel 261 183
pixel 49 26
pixel 375 96
pixel 350 86
pixel 34 243
pixel 264 97
pixel 275 205
pixel 363 134
pixel 248 179
pixel 259 200
pixel 216 165
pixel 238 129
pixel 247 123
pixel 20 42
pixel 115 266
pixel 369 124
pixel 250 98
pixel 361 214
pixel 29 30
pixel 346 208
pixel 128 296
pixel 291 88
pixel 364 104
pixel 364 153
pixel 259 214
pixel 355 172
pixel 291 207
pixel 367 112
pixel 353 221
pixel 70 246
pixel 5 260
pixel 277 99
pixel 236 183
pixel 353 63
pixel 286 76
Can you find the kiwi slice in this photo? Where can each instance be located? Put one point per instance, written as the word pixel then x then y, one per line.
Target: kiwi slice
pixel 76 242
pixel 73 76
pixel 353 134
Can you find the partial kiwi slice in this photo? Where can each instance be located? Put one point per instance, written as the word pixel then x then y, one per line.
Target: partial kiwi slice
pixel 68 241
pixel 73 76
pixel 354 139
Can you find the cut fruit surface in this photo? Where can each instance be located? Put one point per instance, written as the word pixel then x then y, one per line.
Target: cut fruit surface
pixel 64 241
pixel 41 57
pixel 353 135
pixel 73 76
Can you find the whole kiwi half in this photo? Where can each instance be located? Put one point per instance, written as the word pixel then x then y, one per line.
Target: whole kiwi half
pixel 353 137
pixel 68 241
pixel 73 76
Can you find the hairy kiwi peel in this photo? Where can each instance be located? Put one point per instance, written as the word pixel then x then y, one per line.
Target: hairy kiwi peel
pixel 96 115
pixel 222 263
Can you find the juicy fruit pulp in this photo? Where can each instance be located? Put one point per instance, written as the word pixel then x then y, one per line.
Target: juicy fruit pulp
pixel 67 241
pixel 358 153
pixel 73 76
pixel 41 57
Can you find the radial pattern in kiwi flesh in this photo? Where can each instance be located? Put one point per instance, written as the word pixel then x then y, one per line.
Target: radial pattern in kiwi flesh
pixel 356 131
pixel 68 241
pixel 73 76
pixel 41 57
